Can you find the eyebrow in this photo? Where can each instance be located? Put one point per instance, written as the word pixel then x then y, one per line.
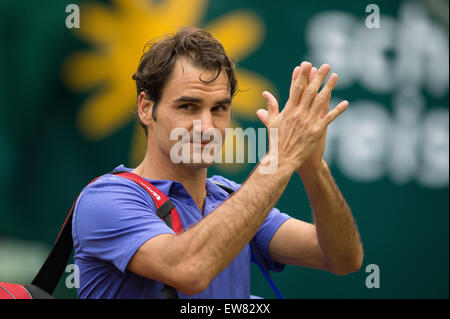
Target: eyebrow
pixel 191 99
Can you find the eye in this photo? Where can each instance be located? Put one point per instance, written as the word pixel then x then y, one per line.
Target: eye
pixel 187 107
pixel 219 108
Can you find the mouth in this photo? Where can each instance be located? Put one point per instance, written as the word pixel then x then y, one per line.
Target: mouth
pixel 201 144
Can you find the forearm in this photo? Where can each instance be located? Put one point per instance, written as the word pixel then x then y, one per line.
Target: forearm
pixel 211 245
pixel 336 230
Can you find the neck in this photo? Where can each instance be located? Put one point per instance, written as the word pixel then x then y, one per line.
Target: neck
pixel 158 167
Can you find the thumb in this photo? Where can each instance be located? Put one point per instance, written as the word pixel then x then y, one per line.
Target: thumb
pixel 263 116
pixel 272 105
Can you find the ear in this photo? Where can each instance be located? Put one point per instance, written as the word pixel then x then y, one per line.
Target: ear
pixel 145 108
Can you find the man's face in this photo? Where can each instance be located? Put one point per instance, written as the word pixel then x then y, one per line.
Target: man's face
pixel 186 99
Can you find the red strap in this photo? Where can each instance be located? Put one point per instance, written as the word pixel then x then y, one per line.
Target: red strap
pixel 159 198
pixel 176 221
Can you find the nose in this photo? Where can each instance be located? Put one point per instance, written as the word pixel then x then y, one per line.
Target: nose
pixel 206 119
pixel 203 127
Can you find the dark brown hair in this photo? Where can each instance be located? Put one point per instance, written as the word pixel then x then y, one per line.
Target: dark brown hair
pixel 198 46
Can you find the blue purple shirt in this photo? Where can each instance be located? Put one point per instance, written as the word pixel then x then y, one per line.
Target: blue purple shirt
pixel 114 216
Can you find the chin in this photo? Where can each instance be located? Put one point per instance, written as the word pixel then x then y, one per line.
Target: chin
pixel 198 165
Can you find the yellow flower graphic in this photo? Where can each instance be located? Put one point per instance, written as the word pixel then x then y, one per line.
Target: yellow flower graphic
pixel 118 34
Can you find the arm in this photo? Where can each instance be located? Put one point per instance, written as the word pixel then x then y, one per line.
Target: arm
pixel 337 233
pixel 332 243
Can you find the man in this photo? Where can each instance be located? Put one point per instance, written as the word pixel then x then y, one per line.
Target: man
pixel 124 250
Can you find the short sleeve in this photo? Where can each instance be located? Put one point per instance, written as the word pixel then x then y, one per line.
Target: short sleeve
pixel 113 217
pixel 265 233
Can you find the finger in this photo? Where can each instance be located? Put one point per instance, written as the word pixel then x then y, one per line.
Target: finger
pixel 334 113
pixel 329 85
pixel 300 84
pixel 312 74
pixel 323 98
pixel 263 115
pixel 313 87
pixel 295 75
pixel 272 105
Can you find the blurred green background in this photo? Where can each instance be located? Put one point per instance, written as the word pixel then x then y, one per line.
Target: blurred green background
pixel 66 116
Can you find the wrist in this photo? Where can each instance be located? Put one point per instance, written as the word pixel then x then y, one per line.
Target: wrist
pixel 313 170
pixel 272 163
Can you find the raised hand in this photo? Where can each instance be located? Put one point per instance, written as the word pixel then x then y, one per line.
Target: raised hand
pixel 303 122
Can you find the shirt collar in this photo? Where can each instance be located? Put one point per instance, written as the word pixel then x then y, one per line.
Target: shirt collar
pixel 169 186
pixel 215 191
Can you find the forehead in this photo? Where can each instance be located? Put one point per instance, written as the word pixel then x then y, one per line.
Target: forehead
pixel 189 80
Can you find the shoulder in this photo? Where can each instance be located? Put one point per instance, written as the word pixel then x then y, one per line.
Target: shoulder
pixel 112 187
pixel 113 196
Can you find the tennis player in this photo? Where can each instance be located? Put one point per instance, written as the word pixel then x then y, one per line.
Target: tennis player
pixel 124 250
